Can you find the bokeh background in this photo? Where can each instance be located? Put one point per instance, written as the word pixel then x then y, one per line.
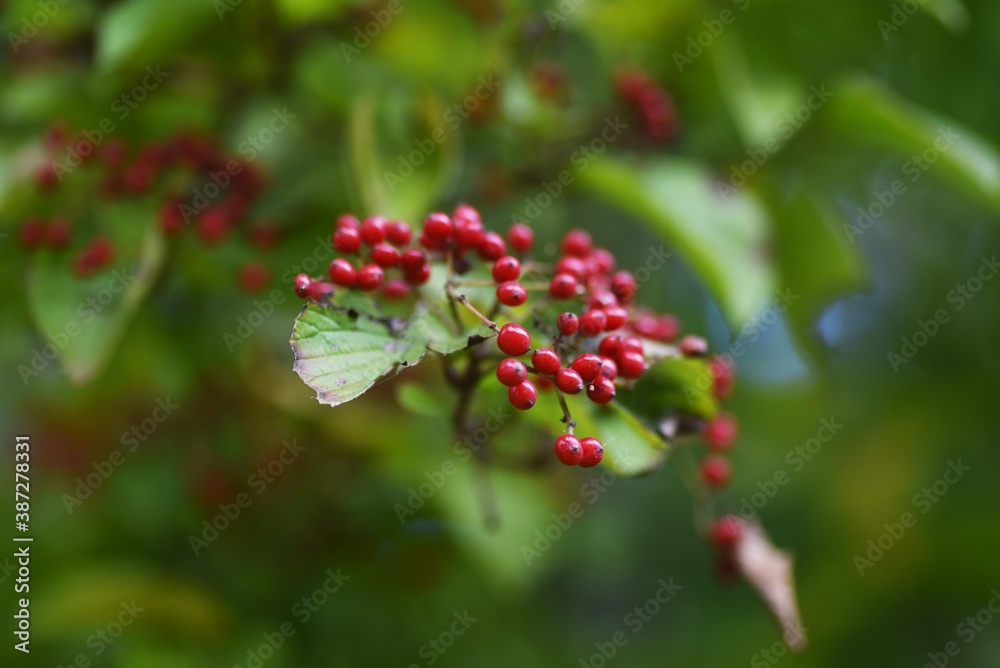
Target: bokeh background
pixel 895 78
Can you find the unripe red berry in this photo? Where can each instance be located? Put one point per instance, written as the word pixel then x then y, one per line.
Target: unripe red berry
pixel 346 220
pixel 588 365
pixel 631 364
pixel 601 390
pixel 593 452
pixel 573 266
pixel 523 395
pixel 521 237
pixel 438 228
pixel 569 381
pixel 616 317
pixel 546 361
pixel 302 285
pixel 373 230
pixel 398 233
pixel 592 322
pixel 623 286
pixel 721 431
pixel 469 233
pixel 609 368
pixel 693 346
pixel 568 450
pixel 716 471
pixel 723 378
pixel 568 323
pixel 385 255
pixel 370 277
pixel 342 272
pixel 514 340
pixel 347 240
pixel 577 242
pixel 511 293
pixel 511 372
pixel 726 531
pixel 492 247
pixel 563 286
pixel 395 289
pixel 506 268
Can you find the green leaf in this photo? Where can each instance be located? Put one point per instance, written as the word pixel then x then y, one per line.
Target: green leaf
pixel 672 385
pixel 142 31
pixel 89 316
pixel 723 236
pixel 866 111
pixel 343 349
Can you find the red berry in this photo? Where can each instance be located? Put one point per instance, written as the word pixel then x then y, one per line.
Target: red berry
pixel 601 390
pixel 623 286
pixel 588 365
pixel 346 220
pixel 631 344
pixel 469 233
pixel 418 276
pixel 568 323
pixel 342 272
pixel 563 286
pixel 511 372
pixel 667 329
pixel 521 237
pixel 511 293
pixel 506 268
pixel 609 368
pixel 631 364
pixel 593 322
pixel 573 266
pixel 601 260
pixel 373 230
pixel 492 247
pixel 593 452
pixel 438 228
pixel 514 340
pixel 576 242
pixel 395 288
pixel 254 277
pixel 302 284
pixel 603 301
pixel 321 291
pixel 616 317
pixel 46 176
pixel 466 213
pixel 213 225
pixel 32 232
pixel 721 431
pixel 611 346
pixel 523 395
pixel 385 255
pixel 347 240
pixel 693 346
pixel 723 378
pixel 568 450
pixel 413 259
pixel 716 471
pixel 370 277
pixel 58 232
pixel 398 233
pixel 726 531
pixel 546 361
pixel 113 153
pixel 569 381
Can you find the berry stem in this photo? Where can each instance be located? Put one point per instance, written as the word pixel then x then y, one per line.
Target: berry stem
pixel 703 506
pixel 474 284
pixel 567 418
pixel 464 301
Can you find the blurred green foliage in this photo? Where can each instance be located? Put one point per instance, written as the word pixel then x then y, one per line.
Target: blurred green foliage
pixel 761 195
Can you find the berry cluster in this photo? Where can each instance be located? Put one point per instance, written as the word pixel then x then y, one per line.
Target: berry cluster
pixel 650 103
pixel 222 190
pixel 596 342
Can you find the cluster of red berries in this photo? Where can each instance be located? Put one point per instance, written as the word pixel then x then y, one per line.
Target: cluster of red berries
pixel 650 103
pixel 223 190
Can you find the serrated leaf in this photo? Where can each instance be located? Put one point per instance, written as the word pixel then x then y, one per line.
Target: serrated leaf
pixel 722 236
pixel 672 385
